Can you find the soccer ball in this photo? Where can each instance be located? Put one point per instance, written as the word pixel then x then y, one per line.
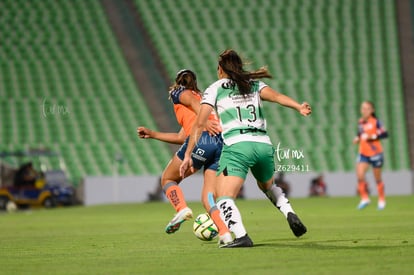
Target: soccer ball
pixel 204 227
pixel 11 206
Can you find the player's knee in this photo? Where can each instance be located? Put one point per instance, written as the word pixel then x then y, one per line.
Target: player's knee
pixel 265 185
pixel 361 178
pixel 164 179
pixel 167 179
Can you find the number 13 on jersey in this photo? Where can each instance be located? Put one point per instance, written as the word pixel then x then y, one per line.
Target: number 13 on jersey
pixel 247 113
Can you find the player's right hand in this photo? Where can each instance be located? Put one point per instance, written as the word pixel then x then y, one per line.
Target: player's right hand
pixel 186 165
pixel 213 127
pixel 143 132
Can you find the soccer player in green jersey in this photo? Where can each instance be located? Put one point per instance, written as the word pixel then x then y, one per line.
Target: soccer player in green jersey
pixel 237 98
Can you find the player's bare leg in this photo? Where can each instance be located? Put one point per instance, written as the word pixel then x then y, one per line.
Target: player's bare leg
pixel 227 189
pixel 169 180
pixel 361 170
pixel 208 199
pixel 380 188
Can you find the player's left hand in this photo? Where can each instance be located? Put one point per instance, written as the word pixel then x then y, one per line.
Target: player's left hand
pixel 305 109
pixel 185 165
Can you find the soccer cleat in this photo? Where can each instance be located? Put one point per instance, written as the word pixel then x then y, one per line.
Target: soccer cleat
pixel 182 216
pixel 244 241
pixel 363 203
pixel 381 204
pixel 296 225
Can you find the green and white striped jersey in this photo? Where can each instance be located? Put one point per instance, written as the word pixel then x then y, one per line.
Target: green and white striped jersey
pixel 241 117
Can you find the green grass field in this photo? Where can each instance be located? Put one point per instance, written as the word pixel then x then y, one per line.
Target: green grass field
pixel 130 239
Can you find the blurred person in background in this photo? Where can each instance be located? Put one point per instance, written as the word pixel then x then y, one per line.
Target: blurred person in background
pixel 317 187
pixel 370 132
pixel 157 194
pixel 26 176
pixel 282 183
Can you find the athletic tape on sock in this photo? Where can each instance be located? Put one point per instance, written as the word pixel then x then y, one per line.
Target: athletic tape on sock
pixel 210 198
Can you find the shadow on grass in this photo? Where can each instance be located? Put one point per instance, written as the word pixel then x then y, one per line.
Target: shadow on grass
pixel 350 244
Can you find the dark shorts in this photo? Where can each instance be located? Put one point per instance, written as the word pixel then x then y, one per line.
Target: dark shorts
pixel 376 161
pixel 206 153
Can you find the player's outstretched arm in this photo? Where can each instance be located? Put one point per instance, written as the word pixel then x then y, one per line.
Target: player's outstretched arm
pixel 174 138
pixel 268 94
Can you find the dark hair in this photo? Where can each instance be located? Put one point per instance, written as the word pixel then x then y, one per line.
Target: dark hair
pixel 372 106
pixel 187 79
pixel 232 65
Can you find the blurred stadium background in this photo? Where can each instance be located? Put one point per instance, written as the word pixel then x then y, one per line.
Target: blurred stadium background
pixel 77 77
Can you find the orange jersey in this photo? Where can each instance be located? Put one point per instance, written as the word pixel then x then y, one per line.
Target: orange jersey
pixel 371 126
pixel 186 115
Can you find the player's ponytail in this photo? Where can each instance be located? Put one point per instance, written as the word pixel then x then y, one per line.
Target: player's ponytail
pixel 232 64
pixel 187 79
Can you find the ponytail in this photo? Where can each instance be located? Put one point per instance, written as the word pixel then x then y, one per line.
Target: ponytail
pixel 232 65
pixel 187 79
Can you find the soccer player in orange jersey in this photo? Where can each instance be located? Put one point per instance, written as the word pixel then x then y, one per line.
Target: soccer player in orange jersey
pixel 370 131
pixel 186 97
